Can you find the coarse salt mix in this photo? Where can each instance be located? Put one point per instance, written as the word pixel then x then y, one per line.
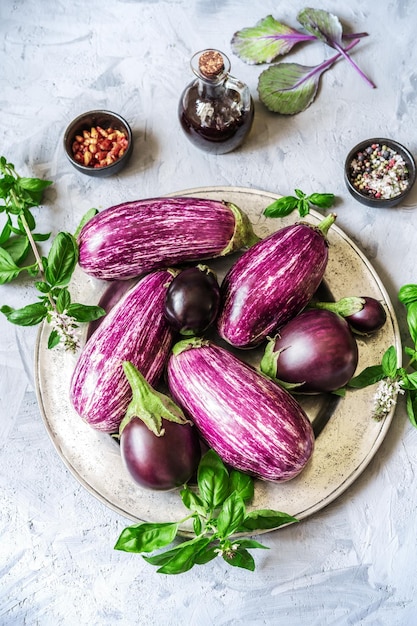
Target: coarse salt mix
pixel 379 172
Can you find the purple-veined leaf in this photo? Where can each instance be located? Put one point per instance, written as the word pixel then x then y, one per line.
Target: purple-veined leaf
pixel 289 88
pixel 266 41
pixel 327 27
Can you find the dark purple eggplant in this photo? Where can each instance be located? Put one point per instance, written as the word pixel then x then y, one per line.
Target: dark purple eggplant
pixel 315 352
pixel 369 319
pixel 365 315
pixel 192 300
pixel 133 238
pixel 252 423
pixel 272 282
pixel 134 330
pixel 160 448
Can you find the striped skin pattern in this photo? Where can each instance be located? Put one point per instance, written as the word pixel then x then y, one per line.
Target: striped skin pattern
pixel 133 238
pixel 270 283
pixel 253 424
pixel 134 330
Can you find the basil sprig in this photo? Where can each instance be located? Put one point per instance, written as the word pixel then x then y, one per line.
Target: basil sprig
pixel 218 512
pixel 52 273
pixel 388 374
pixel 301 202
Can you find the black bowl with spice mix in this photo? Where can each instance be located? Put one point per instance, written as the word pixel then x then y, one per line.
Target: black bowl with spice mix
pixel 98 143
pixel 379 172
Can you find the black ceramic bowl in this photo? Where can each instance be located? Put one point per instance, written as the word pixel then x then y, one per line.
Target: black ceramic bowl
pixel 386 193
pixel 104 120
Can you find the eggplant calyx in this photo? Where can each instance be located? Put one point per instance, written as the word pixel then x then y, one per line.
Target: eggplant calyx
pixel 187 344
pixel 269 366
pixel 149 405
pixel 243 235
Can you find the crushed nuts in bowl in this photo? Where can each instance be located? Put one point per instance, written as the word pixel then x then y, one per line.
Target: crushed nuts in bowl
pixel 98 143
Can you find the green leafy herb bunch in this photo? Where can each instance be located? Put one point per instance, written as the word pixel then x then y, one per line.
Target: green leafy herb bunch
pixel 52 274
pixel 221 523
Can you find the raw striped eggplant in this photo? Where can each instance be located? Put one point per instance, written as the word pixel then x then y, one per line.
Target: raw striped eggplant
pixel 111 296
pixel 272 281
pixel 133 238
pixel 134 330
pixel 252 423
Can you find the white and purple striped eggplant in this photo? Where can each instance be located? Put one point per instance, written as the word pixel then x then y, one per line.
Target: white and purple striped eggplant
pixel 134 330
pixel 272 281
pixel 252 423
pixel 133 238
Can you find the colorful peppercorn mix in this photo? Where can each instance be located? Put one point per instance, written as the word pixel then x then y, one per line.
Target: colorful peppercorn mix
pixel 379 172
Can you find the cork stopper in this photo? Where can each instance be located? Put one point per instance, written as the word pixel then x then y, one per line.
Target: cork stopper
pixel 211 63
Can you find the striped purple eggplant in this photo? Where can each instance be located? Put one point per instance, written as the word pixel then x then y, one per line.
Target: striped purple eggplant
pixel 133 238
pixel 134 330
pixel 252 423
pixel 111 296
pixel 272 281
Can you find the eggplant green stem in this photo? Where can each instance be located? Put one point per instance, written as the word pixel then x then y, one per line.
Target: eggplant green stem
pixel 148 404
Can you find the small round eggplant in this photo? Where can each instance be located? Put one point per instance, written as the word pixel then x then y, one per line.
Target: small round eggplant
pixel 369 319
pixel 159 446
pixel 192 300
pixel 160 462
pixel 315 352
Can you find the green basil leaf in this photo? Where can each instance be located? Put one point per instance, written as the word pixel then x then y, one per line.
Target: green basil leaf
pixel 206 555
pixel 242 484
pixel 303 208
pixel 8 268
pixel 212 480
pixel 62 259
pixel 322 200
pixel 281 207
pixel 53 339
pixel 30 220
pixel 250 544
pixel 197 525
pixel 18 247
pixel 231 515
pixel 265 519
pixel 407 294
pixel 192 501
pixel 389 362
pixel 410 381
pixel 33 184
pixel 181 558
pixel 240 558
pixel 412 407
pixel 146 537
pixel 412 320
pixel 411 352
pixel 5 233
pixel 40 236
pixel 63 300
pixel 86 218
pixel 29 315
pixel 368 376
pixel 85 312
